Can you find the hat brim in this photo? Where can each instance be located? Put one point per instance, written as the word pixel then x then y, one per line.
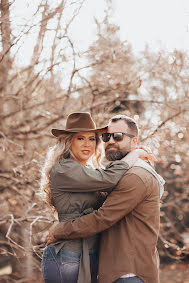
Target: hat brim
pixel 57 132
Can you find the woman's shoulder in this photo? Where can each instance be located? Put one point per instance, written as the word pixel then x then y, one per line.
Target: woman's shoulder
pixel 63 168
pixel 63 165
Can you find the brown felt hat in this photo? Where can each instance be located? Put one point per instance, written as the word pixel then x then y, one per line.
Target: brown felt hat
pixel 78 122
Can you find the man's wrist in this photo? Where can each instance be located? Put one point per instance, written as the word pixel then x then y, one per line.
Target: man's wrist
pixel 57 231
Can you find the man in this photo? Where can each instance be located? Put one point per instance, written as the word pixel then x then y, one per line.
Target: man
pixel 128 219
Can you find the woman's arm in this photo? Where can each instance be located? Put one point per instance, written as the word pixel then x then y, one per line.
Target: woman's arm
pixel 70 176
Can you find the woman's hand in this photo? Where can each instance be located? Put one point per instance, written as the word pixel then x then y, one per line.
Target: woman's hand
pixel 146 154
pixel 142 153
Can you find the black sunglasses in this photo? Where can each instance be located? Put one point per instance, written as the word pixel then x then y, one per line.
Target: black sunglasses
pixel 116 136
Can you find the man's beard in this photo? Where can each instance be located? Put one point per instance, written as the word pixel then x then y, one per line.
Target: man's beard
pixel 113 155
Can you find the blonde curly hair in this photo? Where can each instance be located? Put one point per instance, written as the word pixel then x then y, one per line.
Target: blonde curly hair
pixel 62 149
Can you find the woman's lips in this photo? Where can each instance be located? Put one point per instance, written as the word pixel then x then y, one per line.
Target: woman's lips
pixel 86 151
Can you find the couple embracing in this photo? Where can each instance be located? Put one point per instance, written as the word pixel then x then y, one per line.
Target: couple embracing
pixel 108 217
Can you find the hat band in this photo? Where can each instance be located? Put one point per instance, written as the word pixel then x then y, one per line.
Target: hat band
pixel 80 129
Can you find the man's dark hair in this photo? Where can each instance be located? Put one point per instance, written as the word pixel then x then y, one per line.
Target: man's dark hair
pixel 131 123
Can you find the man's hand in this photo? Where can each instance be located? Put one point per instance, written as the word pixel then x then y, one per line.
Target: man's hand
pixel 51 238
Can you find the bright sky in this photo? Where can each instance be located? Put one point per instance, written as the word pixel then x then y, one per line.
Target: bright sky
pixel 160 23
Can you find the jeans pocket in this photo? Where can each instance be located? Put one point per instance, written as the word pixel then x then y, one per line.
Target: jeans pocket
pixel 48 253
pixel 69 272
pixel 69 266
pixel 68 257
pixel 50 266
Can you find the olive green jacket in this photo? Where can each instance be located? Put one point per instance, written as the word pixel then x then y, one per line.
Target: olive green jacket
pixel 78 190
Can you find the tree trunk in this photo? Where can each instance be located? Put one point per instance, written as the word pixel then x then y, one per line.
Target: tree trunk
pixel 6 44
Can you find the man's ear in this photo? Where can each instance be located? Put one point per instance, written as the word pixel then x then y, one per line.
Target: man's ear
pixel 135 141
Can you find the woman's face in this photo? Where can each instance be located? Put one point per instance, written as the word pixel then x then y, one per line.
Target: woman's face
pixel 83 146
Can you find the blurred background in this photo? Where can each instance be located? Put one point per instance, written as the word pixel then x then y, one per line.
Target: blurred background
pixel 107 57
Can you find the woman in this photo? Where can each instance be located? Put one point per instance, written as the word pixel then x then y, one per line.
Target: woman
pixel 77 260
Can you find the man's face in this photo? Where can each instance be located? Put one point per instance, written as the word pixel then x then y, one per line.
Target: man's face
pixel 115 150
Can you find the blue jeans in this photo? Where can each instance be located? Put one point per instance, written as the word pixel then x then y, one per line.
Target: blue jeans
pixel 64 266
pixel 134 279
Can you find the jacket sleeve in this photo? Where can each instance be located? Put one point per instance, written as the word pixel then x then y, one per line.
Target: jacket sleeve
pixel 127 195
pixel 71 176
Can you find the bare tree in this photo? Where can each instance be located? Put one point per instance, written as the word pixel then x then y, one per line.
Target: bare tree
pixel 32 100
pixel 165 82
pixel 109 79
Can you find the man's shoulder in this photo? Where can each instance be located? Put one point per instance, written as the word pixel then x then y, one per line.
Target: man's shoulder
pixel 141 179
pixel 141 172
pixel 147 178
